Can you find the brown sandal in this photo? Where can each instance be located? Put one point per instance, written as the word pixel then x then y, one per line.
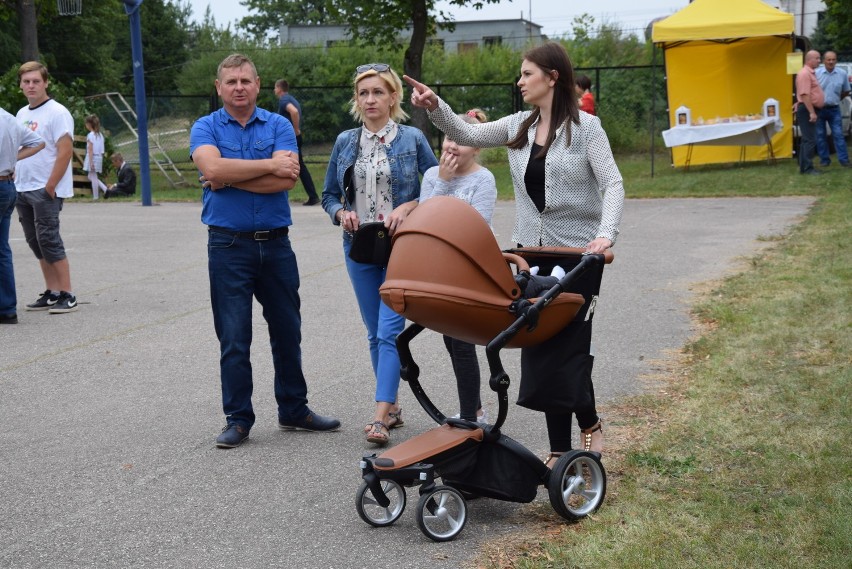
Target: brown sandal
pixel 587 436
pixel 395 420
pixel 379 434
pixel 554 456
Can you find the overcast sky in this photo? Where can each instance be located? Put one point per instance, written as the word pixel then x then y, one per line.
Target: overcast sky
pixel 555 16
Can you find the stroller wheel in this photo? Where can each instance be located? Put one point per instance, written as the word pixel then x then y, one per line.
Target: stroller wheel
pixel 577 485
pixel 375 514
pixel 441 513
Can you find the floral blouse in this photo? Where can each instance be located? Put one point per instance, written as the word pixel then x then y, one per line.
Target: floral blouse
pixel 373 199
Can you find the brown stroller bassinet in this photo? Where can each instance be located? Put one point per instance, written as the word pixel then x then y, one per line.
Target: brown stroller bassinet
pixel 447 273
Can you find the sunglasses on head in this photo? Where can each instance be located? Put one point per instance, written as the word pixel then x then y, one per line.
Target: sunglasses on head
pixel 379 67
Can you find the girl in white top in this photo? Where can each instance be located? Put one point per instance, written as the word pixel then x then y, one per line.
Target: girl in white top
pixel 93 163
pixel 460 175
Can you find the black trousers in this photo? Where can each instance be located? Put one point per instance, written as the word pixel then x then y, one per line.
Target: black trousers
pixel 556 375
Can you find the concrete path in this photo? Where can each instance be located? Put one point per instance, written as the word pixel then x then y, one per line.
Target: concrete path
pixel 109 414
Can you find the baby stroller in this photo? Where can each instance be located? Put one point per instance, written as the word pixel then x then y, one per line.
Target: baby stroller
pixel 447 273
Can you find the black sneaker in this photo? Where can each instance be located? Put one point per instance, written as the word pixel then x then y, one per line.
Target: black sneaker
pixel 8 318
pixel 67 303
pixel 310 422
pixel 44 301
pixel 232 436
pixel 312 201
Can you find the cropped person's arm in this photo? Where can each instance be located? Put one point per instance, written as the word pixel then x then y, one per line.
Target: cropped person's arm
pixel 610 182
pixel 294 117
pixel 27 151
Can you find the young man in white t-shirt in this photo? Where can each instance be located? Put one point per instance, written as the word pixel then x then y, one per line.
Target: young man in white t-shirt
pixel 43 181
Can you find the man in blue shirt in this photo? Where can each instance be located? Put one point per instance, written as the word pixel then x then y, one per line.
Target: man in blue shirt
pixel 290 109
pixel 249 159
pixel 835 85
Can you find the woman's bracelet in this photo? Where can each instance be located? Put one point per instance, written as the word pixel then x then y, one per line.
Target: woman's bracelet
pixel 342 215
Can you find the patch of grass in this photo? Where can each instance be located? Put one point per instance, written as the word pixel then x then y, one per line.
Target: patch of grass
pixel 741 458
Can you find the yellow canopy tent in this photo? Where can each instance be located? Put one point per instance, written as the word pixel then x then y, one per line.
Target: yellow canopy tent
pixel 725 58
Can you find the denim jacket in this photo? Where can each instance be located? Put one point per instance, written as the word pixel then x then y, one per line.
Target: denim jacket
pixel 409 155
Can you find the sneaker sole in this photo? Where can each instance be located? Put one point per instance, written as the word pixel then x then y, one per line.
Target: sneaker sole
pixel 62 310
pixel 293 428
pixel 37 308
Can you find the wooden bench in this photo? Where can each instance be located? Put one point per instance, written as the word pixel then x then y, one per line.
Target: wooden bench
pixel 82 185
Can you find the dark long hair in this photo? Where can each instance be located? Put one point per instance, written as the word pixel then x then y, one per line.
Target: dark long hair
pixel 551 56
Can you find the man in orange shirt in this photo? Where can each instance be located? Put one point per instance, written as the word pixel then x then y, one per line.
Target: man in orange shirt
pixel 810 99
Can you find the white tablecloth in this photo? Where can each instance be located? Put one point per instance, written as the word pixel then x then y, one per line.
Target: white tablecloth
pixel 746 133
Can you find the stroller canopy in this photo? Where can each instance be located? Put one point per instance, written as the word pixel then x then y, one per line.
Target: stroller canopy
pixel 447 273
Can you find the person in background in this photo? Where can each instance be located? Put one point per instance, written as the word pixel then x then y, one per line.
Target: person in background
pixel 386 160
pixel 247 213
pixel 809 100
pixel 835 85
pixel 126 185
pixel 290 109
pixel 583 88
pixel 16 143
pixel 94 161
pixel 460 175
pixel 43 181
pixel 568 193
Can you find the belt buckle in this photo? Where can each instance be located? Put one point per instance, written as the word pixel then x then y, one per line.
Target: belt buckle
pixel 262 235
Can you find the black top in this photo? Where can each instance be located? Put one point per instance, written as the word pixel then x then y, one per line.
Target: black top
pixel 534 178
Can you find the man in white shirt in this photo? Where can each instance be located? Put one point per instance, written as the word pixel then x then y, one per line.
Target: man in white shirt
pixel 43 181
pixel 16 143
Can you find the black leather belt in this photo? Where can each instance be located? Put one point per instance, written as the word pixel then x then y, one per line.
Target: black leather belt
pixel 264 235
pixel 830 106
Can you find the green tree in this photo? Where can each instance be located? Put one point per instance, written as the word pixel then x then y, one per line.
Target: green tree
pixel 373 22
pixel 81 47
pixel 269 15
pixel 839 25
pixel 166 35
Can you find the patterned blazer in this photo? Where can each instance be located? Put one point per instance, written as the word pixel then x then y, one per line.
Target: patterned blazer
pixel 584 191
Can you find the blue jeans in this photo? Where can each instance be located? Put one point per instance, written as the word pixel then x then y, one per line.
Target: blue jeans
pixel 239 270
pixel 830 115
pixel 8 298
pixel 383 324
pixel 807 139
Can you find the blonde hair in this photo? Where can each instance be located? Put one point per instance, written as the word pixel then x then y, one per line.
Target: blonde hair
pixel 33 66
pixel 394 85
pixel 474 116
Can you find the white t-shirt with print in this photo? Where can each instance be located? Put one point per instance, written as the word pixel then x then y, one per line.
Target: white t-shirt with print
pixel 51 121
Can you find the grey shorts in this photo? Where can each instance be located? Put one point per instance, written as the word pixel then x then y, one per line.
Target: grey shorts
pixel 39 216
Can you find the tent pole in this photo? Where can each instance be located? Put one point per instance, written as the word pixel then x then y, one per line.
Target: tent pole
pixel 653 102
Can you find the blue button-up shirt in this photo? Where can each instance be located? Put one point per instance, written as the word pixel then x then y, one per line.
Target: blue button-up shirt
pixel 833 84
pixel 264 134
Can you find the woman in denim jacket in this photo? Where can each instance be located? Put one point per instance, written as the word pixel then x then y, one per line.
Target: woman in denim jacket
pixel 386 159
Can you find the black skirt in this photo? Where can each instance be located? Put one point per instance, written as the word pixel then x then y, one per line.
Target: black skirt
pixel 556 375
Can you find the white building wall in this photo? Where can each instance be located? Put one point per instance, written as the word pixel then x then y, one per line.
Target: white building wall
pixel 806 13
pixel 514 33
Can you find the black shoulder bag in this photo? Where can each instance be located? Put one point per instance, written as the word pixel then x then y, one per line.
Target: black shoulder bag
pixel 371 243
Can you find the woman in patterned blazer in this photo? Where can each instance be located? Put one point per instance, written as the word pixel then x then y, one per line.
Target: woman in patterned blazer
pixel 568 193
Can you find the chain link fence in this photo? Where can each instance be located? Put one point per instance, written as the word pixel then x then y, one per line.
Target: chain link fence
pixel 630 101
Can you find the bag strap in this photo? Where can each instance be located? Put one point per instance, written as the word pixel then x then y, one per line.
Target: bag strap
pixel 350 173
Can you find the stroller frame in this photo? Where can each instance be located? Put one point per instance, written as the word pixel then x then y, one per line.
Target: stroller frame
pixel 576 484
